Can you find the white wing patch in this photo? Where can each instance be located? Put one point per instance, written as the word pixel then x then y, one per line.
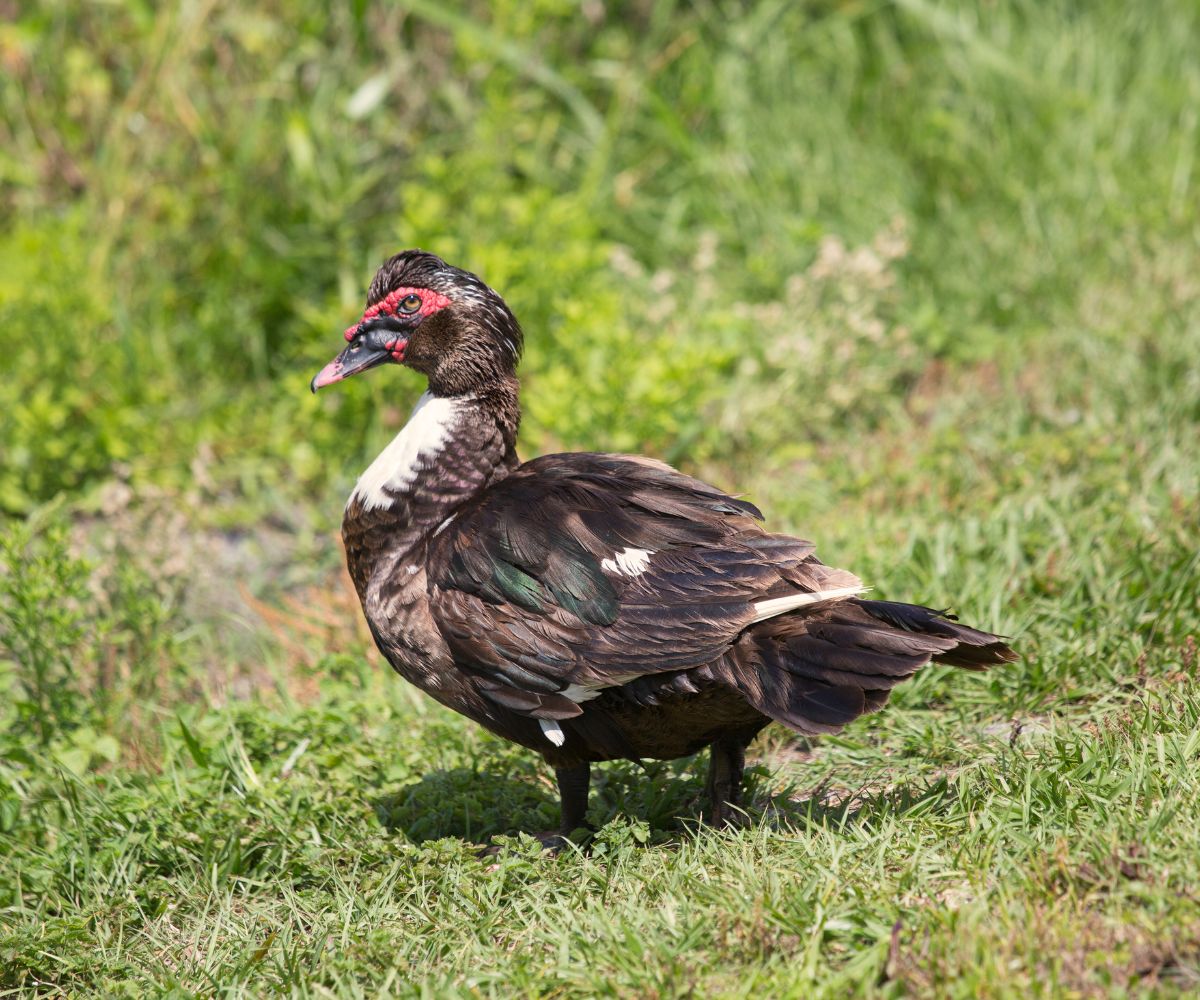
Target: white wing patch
pixel 554 732
pixel 578 693
pixel 778 605
pixel 397 466
pixel 628 562
pixel 586 692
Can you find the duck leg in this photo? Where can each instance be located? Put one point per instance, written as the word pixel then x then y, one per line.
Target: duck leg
pixel 727 761
pixel 573 785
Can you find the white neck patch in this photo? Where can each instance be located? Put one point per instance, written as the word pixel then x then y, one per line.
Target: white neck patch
pixel 397 467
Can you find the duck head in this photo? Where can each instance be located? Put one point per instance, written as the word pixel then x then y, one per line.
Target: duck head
pixel 440 320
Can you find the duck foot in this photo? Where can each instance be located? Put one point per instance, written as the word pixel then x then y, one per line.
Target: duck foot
pixel 552 841
pixel 573 782
pixel 555 840
pixel 727 817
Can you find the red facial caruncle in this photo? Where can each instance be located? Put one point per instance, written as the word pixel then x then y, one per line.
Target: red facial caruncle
pixel 431 302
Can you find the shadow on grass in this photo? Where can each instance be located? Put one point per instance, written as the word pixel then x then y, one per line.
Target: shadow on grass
pixel 477 805
pixel 515 794
pixel 868 807
pixel 468 804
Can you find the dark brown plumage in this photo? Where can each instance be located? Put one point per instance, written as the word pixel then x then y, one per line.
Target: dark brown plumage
pixel 593 606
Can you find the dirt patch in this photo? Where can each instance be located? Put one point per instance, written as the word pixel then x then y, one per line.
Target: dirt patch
pixel 259 606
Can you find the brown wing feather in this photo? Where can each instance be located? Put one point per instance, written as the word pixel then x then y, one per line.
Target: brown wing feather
pixel 523 587
pixel 525 593
pixel 817 670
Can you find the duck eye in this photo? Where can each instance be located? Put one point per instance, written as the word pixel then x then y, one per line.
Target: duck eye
pixel 410 303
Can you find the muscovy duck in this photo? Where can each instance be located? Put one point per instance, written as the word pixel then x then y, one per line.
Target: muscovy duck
pixel 588 606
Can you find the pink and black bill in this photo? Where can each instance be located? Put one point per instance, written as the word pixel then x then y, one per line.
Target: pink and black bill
pixel 374 341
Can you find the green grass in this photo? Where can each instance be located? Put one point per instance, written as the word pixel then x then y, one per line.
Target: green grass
pixel 920 278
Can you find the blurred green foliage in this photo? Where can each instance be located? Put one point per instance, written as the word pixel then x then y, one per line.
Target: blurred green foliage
pixel 195 196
